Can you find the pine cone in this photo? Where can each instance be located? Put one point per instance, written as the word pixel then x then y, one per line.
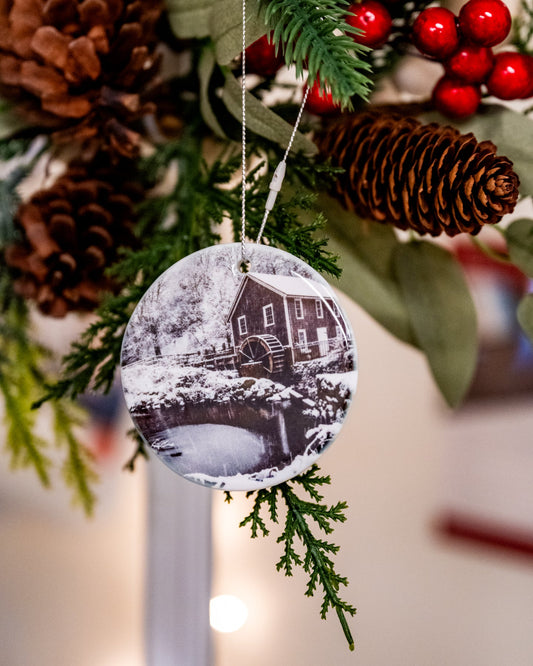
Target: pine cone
pixel 82 63
pixel 428 178
pixel 71 233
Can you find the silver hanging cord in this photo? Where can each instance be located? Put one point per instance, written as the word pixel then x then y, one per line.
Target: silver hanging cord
pixel 279 173
pixel 243 147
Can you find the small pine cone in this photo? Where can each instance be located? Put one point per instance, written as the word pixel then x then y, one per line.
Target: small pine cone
pixel 80 64
pixel 71 233
pixel 428 178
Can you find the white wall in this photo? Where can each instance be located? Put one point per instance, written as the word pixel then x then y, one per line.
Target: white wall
pixel 71 589
pixel 422 600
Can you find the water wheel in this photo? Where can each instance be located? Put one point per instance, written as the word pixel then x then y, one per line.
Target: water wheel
pixel 261 355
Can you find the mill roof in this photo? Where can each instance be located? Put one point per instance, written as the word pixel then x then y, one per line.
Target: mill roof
pixel 292 285
pixel 286 285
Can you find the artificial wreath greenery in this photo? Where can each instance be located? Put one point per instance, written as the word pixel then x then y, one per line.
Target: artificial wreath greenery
pixel 156 85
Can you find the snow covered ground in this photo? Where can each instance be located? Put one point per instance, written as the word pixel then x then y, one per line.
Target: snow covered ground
pixel 155 385
pixel 237 433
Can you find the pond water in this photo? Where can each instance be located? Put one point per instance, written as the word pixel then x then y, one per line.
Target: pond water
pixel 227 439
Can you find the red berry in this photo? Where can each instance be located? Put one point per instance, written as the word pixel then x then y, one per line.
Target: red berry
pixel 512 75
pixel 261 57
pixel 470 63
pixel 485 22
pixel 320 102
pixel 435 32
pixel 455 98
pixel 374 21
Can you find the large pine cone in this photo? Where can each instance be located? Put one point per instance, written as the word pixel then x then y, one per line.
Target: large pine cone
pixel 428 178
pixel 83 63
pixel 71 233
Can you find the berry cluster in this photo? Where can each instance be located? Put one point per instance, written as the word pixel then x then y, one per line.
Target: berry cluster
pixel 464 45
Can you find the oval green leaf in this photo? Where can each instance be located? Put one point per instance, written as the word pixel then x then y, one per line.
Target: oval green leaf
pixel 442 314
pixel 226 29
pixel 189 19
pixel 365 253
pixel 524 314
pixel 519 236
pixel 262 120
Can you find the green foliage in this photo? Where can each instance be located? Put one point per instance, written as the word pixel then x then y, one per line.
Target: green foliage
pixel 442 314
pixel 314 35
pixel 525 315
pixel 366 254
pixel 262 120
pixel 519 237
pixel 301 516
pixel 522 35
pixel 417 291
pixel 140 451
pixel 21 380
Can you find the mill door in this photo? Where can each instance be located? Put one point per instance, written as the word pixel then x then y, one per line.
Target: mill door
pixel 322 337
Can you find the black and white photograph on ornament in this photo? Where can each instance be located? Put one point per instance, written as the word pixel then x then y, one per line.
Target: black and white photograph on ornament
pixel 239 380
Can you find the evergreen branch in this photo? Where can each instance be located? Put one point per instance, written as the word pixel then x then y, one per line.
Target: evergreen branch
pixel 77 471
pixel 317 562
pixel 26 448
pixel 254 518
pixel 314 35
pixel 140 451
pixel 21 380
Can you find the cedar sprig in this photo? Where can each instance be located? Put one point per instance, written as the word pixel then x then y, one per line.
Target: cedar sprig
pixel 77 470
pixel 22 376
pixel 314 35
pixel 140 451
pixel 300 516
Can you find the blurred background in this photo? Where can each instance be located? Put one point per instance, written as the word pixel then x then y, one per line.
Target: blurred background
pixel 437 547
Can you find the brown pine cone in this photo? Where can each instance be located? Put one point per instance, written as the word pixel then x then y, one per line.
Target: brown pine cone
pixel 83 63
pixel 428 178
pixel 71 233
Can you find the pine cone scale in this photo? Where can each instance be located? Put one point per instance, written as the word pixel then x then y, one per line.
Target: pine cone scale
pixel 51 46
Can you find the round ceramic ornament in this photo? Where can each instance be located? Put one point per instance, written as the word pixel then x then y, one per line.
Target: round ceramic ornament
pixel 239 380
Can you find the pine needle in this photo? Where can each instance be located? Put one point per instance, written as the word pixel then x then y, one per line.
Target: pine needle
pixel 315 36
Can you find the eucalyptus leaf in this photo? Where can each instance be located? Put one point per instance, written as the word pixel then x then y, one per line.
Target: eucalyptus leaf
pixel 262 120
pixel 189 19
pixel 442 314
pixel 510 131
pixel 525 315
pixel 366 253
pixel 205 71
pixel 226 28
pixel 519 236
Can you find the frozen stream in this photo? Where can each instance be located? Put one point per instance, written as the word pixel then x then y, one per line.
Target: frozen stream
pixel 211 440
